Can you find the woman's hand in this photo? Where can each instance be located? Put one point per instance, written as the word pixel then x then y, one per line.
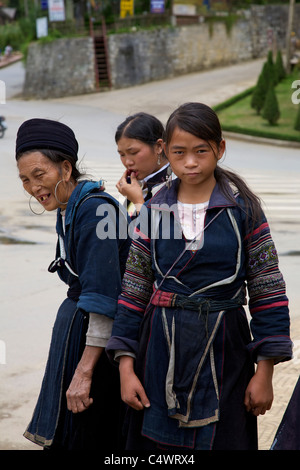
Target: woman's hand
pixel 259 393
pixel 132 391
pixel 132 191
pixel 78 393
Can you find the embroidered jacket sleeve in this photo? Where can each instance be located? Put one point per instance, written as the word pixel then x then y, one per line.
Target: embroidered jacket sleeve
pixel 268 303
pixel 137 288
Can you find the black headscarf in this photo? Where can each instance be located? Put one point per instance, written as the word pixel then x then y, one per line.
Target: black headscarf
pixel 38 134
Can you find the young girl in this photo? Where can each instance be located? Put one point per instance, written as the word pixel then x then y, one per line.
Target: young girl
pixel 181 334
pixel 140 146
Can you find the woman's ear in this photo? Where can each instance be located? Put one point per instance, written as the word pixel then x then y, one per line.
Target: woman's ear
pixel 66 170
pixel 159 145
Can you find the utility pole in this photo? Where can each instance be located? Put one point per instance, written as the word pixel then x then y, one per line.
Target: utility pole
pixel 288 35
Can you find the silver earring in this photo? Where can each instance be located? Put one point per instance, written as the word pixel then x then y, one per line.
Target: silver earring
pixel 169 177
pixel 158 158
pixel 55 190
pixel 36 213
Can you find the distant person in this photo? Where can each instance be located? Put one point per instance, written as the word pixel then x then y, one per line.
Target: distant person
pixel 181 335
pixel 8 51
pixel 79 405
pixel 287 436
pixel 140 145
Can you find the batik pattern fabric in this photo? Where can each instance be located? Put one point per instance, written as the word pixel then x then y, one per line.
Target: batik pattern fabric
pixel 267 290
pixel 139 279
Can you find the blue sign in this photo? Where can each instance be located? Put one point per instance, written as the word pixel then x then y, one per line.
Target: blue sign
pixel 207 4
pixel 157 6
pixel 44 4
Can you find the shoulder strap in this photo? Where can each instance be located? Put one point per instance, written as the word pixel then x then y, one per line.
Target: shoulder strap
pixel 91 195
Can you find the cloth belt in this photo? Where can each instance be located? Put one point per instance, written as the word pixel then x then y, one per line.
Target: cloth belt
pixel 170 299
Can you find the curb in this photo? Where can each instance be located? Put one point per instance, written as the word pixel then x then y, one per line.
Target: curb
pixel 262 140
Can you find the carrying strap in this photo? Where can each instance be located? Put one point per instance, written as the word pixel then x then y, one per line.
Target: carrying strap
pixel 62 261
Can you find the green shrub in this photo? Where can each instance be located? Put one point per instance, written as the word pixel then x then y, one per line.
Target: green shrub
pixel 10 34
pixel 259 94
pixel 272 69
pixel 270 110
pixel 297 121
pixel 279 66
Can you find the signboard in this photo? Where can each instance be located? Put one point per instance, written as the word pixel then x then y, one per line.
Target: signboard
pixel 41 27
pixel 184 9
pixel 189 7
pixel 157 6
pixel 44 4
pixel 56 10
pixel 126 8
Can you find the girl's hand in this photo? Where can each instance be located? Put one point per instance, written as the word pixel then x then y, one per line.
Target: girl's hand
pixel 132 391
pixel 259 393
pixel 132 191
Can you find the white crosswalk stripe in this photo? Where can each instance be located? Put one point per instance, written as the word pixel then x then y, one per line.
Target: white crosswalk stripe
pixel 280 196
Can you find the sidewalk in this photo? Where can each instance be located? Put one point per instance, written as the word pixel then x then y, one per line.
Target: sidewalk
pixel 284 380
pixel 15 57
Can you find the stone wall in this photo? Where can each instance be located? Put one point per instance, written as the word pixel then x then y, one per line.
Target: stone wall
pixel 270 21
pixel 152 55
pixel 64 67
pixel 143 56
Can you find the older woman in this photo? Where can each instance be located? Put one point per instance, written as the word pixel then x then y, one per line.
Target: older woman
pixel 79 404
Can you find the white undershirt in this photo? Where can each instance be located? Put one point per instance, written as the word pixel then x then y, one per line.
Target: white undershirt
pixel 192 217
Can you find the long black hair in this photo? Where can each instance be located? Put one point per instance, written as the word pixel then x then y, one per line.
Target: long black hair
pixel 141 126
pixel 201 121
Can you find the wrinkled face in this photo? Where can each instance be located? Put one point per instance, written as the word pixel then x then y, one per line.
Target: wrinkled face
pixel 138 157
pixel 192 159
pixel 40 176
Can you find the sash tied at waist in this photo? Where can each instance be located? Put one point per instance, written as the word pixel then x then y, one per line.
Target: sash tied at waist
pixel 191 360
pixel 170 299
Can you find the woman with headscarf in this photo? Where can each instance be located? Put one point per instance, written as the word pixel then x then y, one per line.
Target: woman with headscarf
pixel 79 405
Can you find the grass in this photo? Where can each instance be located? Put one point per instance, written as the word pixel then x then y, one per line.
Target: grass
pixel 236 114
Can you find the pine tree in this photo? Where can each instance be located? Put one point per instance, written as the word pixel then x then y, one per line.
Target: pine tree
pixel 259 94
pixel 270 110
pixel 279 66
pixel 297 122
pixel 268 73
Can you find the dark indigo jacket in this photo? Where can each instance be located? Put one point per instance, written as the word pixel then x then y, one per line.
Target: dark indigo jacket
pixel 230 260
pixel 98 282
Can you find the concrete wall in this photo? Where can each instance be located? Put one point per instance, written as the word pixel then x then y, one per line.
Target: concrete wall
pixel 66 66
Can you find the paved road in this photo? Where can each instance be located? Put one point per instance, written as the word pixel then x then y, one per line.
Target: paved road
pixel 29 295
